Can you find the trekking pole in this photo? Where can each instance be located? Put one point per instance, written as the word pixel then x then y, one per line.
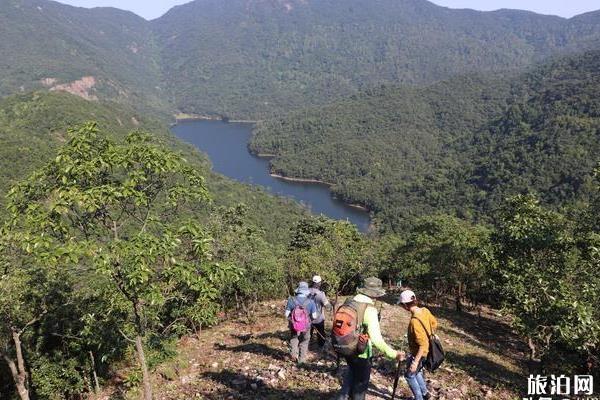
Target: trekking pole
pixel 396 379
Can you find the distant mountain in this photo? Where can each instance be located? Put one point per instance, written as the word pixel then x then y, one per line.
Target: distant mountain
pixel 459 146
pixel 252 58
pixel 95 53
pixel 255 58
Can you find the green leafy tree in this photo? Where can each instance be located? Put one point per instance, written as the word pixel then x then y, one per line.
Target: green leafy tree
pixel 333 249
pixel 31 288
pixel 117 209
pixel 386 258
pixel 239 243
pixel 550 279
pixel 448 255
pixel 21 305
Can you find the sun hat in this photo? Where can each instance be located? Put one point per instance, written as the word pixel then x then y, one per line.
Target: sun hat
pixel 302 289
pixel 407 296
pixel 317 279
pixel 373 287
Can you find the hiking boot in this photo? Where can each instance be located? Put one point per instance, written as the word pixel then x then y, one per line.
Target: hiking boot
pixel 427 396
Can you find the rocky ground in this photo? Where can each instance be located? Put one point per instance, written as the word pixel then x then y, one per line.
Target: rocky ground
pixel 249 360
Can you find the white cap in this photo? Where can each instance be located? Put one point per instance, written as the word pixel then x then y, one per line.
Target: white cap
pixel 317 279
pixel 407 296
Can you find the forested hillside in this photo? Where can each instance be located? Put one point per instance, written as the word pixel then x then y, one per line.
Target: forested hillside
pixel 460 146
pixel 97 53
pixel 252 58
pixel 34 126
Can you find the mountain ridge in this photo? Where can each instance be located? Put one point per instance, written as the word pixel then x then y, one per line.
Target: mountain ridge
pixel 253 59
pixel 46 41
pixel 177 6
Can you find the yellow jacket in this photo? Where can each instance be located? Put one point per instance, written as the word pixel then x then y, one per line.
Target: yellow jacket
pixel 418 338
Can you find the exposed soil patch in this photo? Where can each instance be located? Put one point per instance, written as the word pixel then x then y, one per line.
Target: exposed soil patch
pixel 81 88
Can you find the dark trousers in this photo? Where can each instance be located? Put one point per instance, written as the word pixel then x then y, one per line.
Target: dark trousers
pixel 356 380
pixel 320 329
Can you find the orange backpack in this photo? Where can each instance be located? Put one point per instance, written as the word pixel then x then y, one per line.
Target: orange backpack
pixel 347 334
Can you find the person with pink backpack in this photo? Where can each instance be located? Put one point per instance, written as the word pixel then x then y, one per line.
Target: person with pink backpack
pixel 300 311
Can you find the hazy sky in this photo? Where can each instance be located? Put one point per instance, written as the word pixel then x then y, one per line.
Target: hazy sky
pixel 151 9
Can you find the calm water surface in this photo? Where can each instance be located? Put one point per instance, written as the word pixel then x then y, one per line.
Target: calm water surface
pixel 226 145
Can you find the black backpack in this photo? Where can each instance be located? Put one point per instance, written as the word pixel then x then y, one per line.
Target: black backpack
pixel 436 354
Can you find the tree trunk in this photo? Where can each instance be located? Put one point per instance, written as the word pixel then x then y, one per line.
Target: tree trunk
pixel 590 363
pixel 459 295
pixel 534 363
pixel 147 384
pixel 532 349
pixel 18 371
pixel 95 375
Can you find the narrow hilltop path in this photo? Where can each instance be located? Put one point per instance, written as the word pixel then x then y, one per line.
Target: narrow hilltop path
pixel 238 360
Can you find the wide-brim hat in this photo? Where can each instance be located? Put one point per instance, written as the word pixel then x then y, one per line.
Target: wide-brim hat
pixel 303 289
pixel 373 287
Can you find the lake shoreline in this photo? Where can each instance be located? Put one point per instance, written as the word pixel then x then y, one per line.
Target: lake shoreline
pixel 316 181
pixel 183 117
pixel 301 180
pixel 227 147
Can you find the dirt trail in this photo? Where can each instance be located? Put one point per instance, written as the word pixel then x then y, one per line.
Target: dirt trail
pixel 238 360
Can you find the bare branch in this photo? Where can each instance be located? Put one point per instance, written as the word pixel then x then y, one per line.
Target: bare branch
pixel 115 230
pixel 33 321
pixel 125 336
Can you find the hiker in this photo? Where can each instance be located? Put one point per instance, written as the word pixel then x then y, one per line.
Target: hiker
pixel 300 312
pixel 422 324
pixel 322 303
pixel 360 312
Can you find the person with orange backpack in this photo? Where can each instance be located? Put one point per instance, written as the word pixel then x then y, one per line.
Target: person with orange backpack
pixel 300 311
pixel 355 331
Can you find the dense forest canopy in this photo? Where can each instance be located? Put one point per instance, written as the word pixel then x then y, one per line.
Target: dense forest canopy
pixel 250 59
pixel 461 146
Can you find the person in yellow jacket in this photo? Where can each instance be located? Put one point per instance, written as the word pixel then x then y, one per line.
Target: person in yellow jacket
pixel 356 380
pixel 422 324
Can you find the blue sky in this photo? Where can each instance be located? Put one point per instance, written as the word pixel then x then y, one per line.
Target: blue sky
pixel 151 9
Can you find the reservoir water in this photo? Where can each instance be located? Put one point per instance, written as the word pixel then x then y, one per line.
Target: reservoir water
pixel 226 145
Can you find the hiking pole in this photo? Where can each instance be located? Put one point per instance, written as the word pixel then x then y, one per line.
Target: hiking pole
pixel 396 379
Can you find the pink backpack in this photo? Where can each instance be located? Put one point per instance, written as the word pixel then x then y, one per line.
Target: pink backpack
pixel 299 318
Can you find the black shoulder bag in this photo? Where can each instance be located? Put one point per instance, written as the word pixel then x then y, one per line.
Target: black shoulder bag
pixel 436 354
